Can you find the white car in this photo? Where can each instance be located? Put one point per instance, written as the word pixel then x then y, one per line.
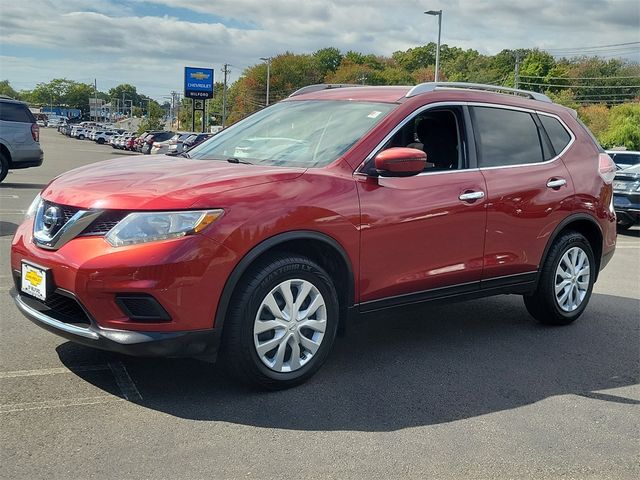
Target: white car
pixel 171 145
pixel 103 137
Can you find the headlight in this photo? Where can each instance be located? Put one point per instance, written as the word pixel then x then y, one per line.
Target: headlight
pixel 144 227
pixel 33 208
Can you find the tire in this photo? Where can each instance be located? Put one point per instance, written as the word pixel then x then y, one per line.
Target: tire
pixel 4 167
pixel 269 278
pixel 81 137
pixel 100 141
pixel 624 224
pixel 543 304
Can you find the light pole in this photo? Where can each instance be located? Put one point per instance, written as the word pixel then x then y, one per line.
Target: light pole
pixel 437 13
pixel 268 60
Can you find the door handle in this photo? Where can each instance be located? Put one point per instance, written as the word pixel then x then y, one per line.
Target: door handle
pixel 471 196
pixel 556 183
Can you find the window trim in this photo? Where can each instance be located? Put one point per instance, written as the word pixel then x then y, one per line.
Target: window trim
pixel 470 134
pixel 469 156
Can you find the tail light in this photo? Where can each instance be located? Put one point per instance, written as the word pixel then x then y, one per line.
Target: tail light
pixel 35 132
pixel 606 168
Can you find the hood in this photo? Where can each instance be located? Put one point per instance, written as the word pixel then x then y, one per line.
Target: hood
pixel 157 182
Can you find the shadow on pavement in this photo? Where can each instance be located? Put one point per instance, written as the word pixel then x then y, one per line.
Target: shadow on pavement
pixel 34 186
pixel 7 228
pixel 412 367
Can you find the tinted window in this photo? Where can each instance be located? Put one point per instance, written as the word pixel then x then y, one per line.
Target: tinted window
pixel 558 135
pixel 505 137
pixel 15 112
pixel 627 158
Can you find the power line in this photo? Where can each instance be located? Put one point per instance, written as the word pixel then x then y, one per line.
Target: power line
pixel 581 78
pixel 591 48
pixel 580 86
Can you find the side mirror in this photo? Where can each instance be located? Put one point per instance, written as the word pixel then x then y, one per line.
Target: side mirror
pixel 400 162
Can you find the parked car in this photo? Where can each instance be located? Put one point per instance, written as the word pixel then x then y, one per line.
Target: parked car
pixel 103 137
pixel 150 139
pixel 626 196
pixel 19 137
pixel 624 158
pixel 334 202
pixel 170 145
pixel 194 140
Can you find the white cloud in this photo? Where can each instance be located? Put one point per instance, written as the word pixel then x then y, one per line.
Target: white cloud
pixel 82 40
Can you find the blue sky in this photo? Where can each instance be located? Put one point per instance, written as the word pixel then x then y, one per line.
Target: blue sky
pixel 148 42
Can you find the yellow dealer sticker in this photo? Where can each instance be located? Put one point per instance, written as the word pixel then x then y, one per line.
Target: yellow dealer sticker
pixel 34 281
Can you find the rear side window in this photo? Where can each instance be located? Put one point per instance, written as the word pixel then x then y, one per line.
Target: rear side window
pixel 15 112
pixel 505 137
pixel 558 135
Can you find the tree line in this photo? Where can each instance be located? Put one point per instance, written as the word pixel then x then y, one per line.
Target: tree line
pixel 605 92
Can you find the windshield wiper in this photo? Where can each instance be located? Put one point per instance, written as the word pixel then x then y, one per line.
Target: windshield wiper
pixel 237 160
pixel 184 154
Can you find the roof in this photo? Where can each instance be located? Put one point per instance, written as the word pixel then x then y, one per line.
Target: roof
pixel 392 94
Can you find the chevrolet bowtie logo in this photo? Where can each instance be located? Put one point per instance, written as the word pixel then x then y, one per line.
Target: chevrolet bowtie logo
pixel 199 75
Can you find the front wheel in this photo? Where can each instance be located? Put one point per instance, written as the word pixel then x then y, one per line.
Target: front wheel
pixel 281 324
pixel 565 283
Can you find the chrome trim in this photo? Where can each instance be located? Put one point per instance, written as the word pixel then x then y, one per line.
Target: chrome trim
pixel 433 86
pixel 465 197
pixel 469 104
pixel 321 86
pixel 76 224
pixel 557 183
pixel 35 315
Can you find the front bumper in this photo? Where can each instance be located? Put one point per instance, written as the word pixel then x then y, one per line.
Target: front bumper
pixel 137 343
pixel 627 206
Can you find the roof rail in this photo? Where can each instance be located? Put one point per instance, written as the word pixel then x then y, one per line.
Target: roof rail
pixel 321 86
pixel 432 86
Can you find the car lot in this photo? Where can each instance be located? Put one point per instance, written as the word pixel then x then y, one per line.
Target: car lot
pixel 471 390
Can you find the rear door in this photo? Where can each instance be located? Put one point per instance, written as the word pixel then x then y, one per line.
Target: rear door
pixel 529 190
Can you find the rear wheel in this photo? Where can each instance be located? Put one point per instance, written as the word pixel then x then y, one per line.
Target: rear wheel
pixel 565 283
pixel 281 324
pixel 4 167
pixel 100 141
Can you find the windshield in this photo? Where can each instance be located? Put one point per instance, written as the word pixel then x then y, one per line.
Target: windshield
pixel 298 134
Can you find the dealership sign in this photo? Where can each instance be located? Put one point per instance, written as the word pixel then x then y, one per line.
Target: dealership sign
pixel 198 83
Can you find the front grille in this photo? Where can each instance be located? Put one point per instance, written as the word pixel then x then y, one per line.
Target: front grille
pixel 100 226
pixel 104 223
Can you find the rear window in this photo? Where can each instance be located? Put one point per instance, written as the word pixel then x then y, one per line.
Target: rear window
pixel 558 135
pixel 627 158
pixel 15 112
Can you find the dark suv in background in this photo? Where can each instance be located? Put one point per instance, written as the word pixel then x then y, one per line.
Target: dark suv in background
pixel 19 137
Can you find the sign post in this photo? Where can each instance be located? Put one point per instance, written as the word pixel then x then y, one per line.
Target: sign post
pixel 198 86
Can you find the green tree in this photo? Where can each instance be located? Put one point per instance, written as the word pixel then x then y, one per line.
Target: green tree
pixel 328 59
pixel 624 127
pixel 6 89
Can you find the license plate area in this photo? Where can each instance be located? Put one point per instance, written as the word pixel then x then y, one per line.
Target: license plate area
pixel 35 281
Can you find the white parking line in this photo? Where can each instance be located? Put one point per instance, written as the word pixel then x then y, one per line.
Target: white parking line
pixel 70 402
pixel 53 371
pixel 9 196
pixel 12 212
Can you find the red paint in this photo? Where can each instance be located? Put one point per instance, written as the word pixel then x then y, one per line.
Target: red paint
pixel 401 235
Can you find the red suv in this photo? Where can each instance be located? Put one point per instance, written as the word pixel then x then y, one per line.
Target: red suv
pixel 339 200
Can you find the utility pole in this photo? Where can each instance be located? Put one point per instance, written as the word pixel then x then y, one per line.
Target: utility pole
pixel 225 70
pixel 95 99
pixel 268 60
pixel 362 79
pixel 516 78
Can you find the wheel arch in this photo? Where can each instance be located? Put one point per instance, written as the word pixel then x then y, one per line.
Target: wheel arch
pixel 319 247
pixel 6 152
pixel 587 226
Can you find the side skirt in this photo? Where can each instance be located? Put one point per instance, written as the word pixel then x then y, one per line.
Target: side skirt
pixel 521 284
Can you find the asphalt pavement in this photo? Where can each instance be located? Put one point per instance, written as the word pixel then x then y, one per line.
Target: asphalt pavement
pixel 471 390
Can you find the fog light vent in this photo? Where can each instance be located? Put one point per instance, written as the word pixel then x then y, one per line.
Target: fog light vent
pixel 142 308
